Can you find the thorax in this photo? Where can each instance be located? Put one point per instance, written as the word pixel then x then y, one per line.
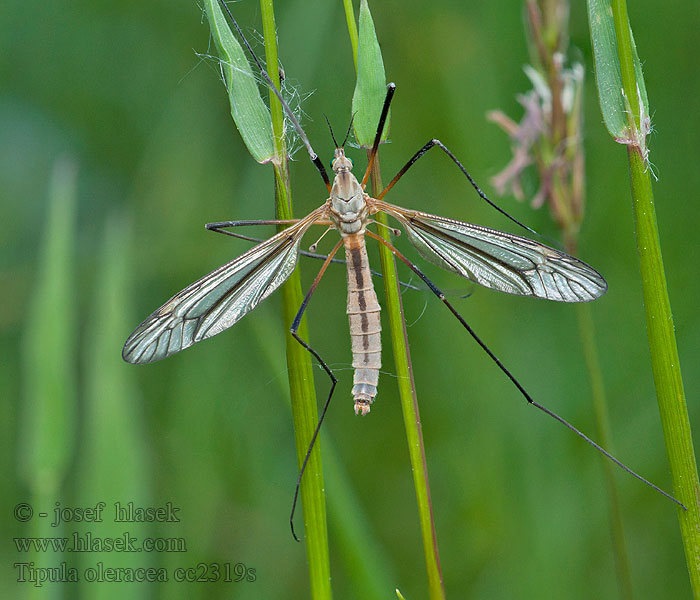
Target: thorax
pixel 348 205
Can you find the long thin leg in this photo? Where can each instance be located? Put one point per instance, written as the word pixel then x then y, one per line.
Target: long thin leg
pixel 508 374
pixel 222 224
pixel 390 89
pixel 437 143
pixel 248 238
pixel 294 331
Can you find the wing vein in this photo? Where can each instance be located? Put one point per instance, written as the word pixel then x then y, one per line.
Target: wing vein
pixel 506 262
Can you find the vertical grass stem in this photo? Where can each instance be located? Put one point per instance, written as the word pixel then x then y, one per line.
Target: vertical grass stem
pixel 301 381
pixel 409 400
pixel 659 319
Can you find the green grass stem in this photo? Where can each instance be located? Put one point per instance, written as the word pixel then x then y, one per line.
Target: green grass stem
pixel 368 50
pixel 352 28
pixel 666 366
pixel 301 381
pixel 409 402
pixel 356 537
pixel 659 319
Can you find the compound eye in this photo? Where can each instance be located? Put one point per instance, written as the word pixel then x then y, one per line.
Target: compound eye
pixel 332 162
pixel 352 164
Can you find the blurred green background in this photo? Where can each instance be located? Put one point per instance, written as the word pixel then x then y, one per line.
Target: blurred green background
pixel 116 146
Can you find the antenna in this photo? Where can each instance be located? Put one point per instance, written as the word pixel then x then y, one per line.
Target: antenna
pixel 347 134
pixel 331 128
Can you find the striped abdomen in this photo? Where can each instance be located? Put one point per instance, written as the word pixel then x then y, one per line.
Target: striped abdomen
pixel 365 327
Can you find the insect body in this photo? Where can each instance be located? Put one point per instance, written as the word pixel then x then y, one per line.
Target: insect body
pixel 349 212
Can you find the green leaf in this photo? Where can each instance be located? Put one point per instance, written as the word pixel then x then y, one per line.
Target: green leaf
pixel 248 110
pixel 614 106
pixel 370 88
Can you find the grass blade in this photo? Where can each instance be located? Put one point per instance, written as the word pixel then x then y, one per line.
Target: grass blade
pixel 370 88
pixel 50 344
pixel 112 416
pixel 248 110
pixel 608 69
pixel 48 421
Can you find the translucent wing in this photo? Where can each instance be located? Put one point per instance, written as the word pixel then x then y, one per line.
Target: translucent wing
pixel 497 260
pixel 219 299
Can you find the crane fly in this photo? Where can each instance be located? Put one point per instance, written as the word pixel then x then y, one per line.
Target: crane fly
pixel 500 261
